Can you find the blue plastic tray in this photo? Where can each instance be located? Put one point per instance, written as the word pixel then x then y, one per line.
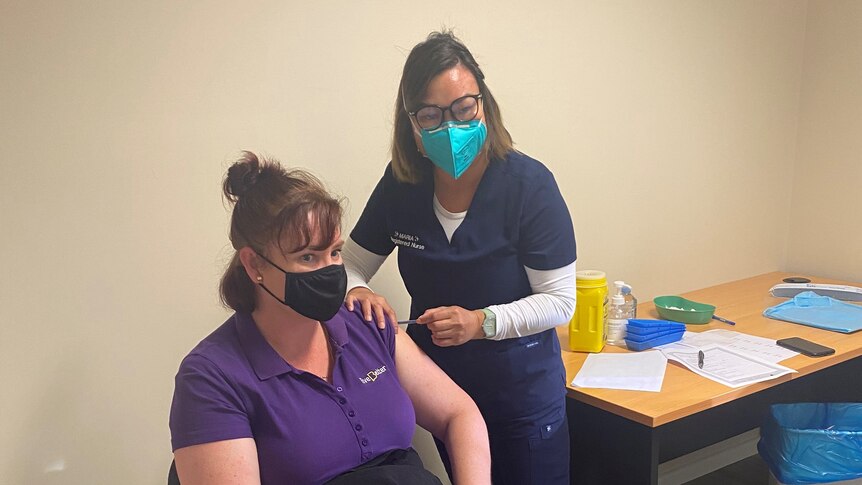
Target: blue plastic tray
pixel 645 327
pixel 651 331
pixel 649 336
pixel 664 339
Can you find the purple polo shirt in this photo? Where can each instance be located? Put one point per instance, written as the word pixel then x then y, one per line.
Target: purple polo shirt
pixel 233 384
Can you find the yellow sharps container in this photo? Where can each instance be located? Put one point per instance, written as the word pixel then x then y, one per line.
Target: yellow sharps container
pixel 587 327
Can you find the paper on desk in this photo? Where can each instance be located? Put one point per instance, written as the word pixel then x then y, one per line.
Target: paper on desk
pixel 727 366
pixel 758 347
pixel 642 371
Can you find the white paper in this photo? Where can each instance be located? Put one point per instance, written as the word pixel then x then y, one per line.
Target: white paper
pixel 727 366
pixel 759 347
pixel 642 371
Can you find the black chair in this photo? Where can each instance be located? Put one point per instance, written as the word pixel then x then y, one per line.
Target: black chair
pixel 173 478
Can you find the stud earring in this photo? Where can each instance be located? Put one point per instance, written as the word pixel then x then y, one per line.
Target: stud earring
pixel 259 278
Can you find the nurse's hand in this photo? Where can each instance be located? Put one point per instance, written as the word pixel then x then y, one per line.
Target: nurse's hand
pixel 453 325
pixel 371 303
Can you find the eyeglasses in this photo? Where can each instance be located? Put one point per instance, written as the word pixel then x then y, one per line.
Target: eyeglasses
pixel 430 117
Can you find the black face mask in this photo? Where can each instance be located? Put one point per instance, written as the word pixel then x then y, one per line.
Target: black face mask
pixel 315 294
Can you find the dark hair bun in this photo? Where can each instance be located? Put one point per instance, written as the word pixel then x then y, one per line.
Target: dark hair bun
pixel 242 176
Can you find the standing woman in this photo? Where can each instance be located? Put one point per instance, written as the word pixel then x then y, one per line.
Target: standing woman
pixel 486 249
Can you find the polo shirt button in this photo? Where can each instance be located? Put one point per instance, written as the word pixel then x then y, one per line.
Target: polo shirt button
pixel 351 413
pixel 358 427
pixel 342 400
pixel 339 389
pixel 364 442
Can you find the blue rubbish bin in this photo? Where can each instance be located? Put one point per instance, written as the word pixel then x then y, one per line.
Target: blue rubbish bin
pixel 813 442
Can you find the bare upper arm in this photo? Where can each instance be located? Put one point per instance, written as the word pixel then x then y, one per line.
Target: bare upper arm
pixel 435 397
pixel 228 462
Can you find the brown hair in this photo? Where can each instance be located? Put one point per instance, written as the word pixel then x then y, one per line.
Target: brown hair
pixel 271 204
pixel 439 52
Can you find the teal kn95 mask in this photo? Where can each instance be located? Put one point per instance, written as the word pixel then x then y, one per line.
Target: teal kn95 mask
pixel 454 145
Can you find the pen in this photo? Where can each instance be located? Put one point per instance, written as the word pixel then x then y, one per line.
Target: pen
pixel 714 317
pixel 406 322
pixel 700 359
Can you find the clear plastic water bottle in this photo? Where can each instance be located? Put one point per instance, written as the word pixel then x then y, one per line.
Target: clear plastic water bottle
pixel 620 310
pixel 631 302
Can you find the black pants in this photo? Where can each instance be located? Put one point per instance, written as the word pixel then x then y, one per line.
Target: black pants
pixel 392 468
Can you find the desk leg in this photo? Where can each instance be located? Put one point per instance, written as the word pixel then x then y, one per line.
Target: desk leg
pixel 608 449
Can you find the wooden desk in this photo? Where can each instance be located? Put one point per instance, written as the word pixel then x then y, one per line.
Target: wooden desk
pixel 622 436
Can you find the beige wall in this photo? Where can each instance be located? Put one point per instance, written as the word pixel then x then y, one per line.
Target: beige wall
pixel 825 237
pixel 672 128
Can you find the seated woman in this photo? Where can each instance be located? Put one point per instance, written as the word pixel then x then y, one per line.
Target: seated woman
pixel 293 387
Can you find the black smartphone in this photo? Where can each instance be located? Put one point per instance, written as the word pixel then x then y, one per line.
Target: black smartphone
pixel 805 347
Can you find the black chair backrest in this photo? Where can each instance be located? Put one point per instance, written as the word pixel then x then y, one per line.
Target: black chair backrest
pixel 173 478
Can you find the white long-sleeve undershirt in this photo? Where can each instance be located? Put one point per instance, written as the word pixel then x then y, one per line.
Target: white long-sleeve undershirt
pixel 552 302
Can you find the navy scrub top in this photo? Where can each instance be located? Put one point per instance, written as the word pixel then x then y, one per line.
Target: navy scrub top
pixel 517 218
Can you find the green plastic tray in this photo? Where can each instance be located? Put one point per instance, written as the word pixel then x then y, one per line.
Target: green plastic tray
pixel 679 309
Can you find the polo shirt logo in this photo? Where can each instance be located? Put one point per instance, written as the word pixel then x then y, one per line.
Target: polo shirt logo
pixel 372 375
pixel 406 240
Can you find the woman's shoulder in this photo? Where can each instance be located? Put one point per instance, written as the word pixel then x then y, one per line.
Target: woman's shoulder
pixel 219 350
pixel 359 332
pixel 522 166
pixel 355 322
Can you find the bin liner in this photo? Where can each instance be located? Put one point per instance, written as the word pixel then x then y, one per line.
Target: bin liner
pixel 813 442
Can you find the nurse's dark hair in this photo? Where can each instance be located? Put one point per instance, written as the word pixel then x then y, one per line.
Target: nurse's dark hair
pixel 439 52
pixel 273 205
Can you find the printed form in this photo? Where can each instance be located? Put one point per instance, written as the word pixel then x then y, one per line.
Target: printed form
pixel 759 347
pixel 733 359
pixel 727 366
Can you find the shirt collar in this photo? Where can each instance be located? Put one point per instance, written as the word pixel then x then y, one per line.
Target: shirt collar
pixel 264 360
pixel 336 328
